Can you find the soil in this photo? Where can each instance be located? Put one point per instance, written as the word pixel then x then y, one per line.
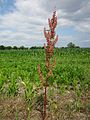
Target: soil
pixel 59 107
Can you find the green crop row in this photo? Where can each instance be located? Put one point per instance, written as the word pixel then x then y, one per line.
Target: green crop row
pixel 20 67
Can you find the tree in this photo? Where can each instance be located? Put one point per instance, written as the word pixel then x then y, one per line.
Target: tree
pixel 15 47
pixel 2 47
pixel 8 47
pixel 71 45
pixel 22 47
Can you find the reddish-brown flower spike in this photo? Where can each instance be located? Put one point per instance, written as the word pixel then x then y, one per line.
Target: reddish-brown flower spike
pixel 52 33
pixel 40 73
pixel 48 42
pixel 48 35
pixel 49 74
pixel 50 25
pixel 54 14
pixel 54 63
pixel 55 23
pixel 51 40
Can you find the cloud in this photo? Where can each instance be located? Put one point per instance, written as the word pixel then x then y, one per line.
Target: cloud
pixel 25 24
pixel 73 11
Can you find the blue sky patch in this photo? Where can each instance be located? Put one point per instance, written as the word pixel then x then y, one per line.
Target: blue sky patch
pixel 6 6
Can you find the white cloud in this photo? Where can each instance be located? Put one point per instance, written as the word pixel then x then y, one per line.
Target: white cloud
pixel 26 23
pixel 83 26
pixel 64 22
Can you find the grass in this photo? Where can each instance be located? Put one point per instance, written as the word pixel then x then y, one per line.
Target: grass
pixel 19 78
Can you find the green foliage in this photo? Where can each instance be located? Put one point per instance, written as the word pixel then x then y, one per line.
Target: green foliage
pixel 72 45
pixel 72 69
pixel 2 80
pixel 12 89
pixel 2 47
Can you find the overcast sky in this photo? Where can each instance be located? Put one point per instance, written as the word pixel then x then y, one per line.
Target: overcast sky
pixel 22 22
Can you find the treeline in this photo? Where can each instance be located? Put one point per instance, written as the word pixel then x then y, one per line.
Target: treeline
pixel 2 47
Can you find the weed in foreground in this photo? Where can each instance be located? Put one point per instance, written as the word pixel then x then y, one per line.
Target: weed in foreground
pixel 51 39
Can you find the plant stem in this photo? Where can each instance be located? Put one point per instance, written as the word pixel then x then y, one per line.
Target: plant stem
pixel 45 99
pixel 45 102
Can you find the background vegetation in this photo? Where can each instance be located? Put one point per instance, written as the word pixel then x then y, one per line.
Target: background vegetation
pixel 19 76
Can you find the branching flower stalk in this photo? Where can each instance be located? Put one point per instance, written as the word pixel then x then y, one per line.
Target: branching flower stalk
pixel 51 40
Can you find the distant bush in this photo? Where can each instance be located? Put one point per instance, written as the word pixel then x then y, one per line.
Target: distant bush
pixel 8 47
pixel 72 45
pixel 2 47
pixel 35 47
pixel 15 47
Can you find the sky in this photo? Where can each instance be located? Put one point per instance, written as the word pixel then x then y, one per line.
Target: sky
pixel 22 22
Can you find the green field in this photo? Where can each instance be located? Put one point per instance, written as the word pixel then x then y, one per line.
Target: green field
pixel 19 75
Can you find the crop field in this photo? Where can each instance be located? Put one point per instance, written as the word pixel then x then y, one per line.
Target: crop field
pixel 68 90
